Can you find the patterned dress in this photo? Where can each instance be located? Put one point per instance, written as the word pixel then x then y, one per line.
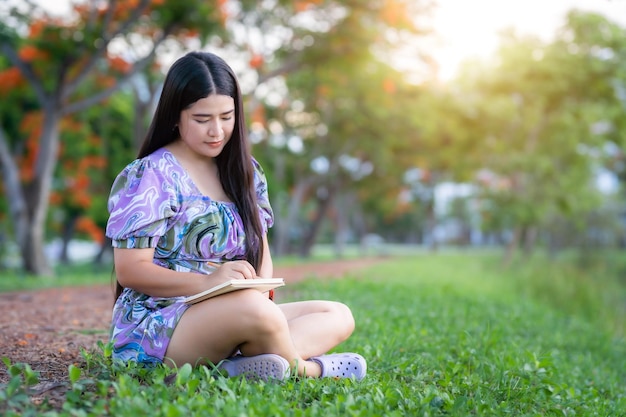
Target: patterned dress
pixel 155 204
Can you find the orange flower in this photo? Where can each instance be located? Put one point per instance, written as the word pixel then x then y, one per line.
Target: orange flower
pixel 55 198
pixel 323 90
pixel 119 64
pixel 26 172
pixel 258 115
pixel 87 225
pixel 82 181
pixel 99 162
pixel 36 28
pixel 302 5
pixel 256 61
pixel 192 33
pixel 9 79
pixel 30 53
pixel 389 86
pixel 83 200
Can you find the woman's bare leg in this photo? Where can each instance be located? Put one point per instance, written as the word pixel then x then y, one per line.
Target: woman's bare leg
pixel 317 326
pixel 214 329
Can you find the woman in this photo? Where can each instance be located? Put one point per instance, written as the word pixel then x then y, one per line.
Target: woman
pixel 195 197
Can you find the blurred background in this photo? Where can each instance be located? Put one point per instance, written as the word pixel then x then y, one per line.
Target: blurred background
pixel 382 125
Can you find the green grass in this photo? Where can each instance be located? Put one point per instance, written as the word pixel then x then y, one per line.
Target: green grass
pixel 81 274
pixel 92 274
pixel 591 285
pixel 444 335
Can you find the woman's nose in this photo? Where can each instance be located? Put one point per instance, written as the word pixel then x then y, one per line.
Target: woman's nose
pixel 215 128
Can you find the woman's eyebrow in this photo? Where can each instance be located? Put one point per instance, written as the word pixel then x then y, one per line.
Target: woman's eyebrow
pixel 209 115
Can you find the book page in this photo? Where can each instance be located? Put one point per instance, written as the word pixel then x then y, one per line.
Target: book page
pixel 260 284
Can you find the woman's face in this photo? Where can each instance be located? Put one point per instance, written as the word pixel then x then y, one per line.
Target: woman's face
pixel 208 124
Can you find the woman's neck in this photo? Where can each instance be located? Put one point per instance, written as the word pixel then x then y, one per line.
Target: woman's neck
pixel 202 171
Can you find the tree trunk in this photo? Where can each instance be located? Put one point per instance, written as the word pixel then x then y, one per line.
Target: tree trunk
pixel 69 227
pixel 323 204
pixel 144 98
pixel 342 227
pixel 529 240
pixel 18 214
pixel 512 246
pixel 285 224
pixel 431 225
pixel 37 195
pixel 105 248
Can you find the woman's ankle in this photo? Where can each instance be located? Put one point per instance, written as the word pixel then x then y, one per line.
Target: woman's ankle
pixel 309 368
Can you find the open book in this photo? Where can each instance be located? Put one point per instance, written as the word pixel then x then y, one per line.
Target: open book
pixel 261 284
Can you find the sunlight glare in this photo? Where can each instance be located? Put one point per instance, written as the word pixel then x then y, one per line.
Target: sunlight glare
pixel 466 29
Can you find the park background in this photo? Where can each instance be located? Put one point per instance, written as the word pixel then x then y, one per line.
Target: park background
pixel 365 136
pixel 488 177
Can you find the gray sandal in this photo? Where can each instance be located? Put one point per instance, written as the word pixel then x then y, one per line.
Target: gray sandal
pixel 342 365
pixel 264 367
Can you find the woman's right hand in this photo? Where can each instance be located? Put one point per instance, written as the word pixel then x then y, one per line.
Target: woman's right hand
pixel 235 270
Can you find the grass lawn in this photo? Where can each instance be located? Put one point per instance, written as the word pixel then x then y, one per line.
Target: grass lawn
pixel 445 335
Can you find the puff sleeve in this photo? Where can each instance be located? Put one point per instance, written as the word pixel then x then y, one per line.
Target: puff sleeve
pixel 141 201
pixel 262 196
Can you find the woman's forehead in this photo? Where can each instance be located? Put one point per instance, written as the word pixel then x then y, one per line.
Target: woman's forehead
pixel 213 104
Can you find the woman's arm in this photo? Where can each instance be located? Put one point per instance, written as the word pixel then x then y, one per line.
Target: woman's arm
pixel 134 269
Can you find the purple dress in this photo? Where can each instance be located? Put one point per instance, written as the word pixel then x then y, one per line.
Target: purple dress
pixel 154 204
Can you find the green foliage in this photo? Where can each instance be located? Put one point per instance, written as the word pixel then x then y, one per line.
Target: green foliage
pixel 530 127
pixel 348 106
pixel 444 334
pixel 119 146
pixel 66 65
pixel 15 395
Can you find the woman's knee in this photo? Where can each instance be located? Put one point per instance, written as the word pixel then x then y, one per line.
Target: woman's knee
pixel 339 320
pixel 260 314
pixel 343 318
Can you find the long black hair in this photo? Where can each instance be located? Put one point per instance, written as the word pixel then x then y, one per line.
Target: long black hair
pixel 192 77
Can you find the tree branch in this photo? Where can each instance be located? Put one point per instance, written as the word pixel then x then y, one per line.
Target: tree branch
pixel 104 94
pixel 139 66
pixel 291 64
pixel 26 70
pixel 94 58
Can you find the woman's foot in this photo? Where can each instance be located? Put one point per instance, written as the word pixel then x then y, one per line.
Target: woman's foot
pixel 264 367
pixel 342 365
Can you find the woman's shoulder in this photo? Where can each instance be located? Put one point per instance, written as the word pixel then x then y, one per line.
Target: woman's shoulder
pixel 258 168
pixel 159 161
pixel 158 169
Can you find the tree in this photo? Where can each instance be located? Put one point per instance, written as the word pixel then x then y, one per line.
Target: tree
pixel 603 43
pixel 339 112
pixel 538 108
pixel 69 65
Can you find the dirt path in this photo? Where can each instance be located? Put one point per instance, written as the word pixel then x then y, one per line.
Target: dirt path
pixel 47 328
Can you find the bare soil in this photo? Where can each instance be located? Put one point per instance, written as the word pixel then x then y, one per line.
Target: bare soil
pixel 48 328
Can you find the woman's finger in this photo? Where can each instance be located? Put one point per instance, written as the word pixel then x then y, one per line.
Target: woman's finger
pixel 244 268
